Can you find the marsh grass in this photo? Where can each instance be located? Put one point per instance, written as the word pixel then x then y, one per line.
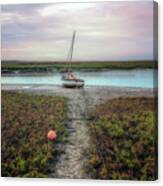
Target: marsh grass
pixel 26 119
pixel 124 140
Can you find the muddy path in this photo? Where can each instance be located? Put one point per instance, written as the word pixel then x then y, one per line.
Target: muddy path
pixel 72 161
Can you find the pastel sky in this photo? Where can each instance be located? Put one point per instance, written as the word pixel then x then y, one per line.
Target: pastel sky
pixel 105 31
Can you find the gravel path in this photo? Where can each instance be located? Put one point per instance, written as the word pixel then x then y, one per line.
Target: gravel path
pixel 72 161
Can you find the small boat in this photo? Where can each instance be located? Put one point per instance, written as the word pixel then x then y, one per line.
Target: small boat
pixel 69 79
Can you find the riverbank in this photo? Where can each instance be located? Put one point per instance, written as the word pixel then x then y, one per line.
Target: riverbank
pixel 11 67
pixel 73 160
pixel 94 92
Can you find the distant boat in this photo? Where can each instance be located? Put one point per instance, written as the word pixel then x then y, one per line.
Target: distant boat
pixel 69 79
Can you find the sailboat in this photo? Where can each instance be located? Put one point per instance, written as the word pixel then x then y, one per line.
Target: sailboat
pixel 70 80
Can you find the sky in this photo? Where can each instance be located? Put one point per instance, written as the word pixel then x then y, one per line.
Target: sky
pixel 104 31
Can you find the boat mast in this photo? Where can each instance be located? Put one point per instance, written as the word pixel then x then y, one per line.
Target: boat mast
pixel 70 54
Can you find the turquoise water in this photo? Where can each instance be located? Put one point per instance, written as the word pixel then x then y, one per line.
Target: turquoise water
pixel 124 78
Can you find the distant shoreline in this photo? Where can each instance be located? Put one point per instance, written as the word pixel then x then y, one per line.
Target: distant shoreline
pixel 50 73
pixel 44 67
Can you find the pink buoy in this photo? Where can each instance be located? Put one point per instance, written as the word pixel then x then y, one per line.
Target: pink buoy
pixel 51 135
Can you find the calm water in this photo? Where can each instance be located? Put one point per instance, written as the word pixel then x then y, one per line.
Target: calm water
pixel 124 78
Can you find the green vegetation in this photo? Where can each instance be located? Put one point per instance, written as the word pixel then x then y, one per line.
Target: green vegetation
pixel 9 66
pixel 123 140
pixel 26 119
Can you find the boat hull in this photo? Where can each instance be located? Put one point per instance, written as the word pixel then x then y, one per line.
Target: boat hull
pixel 66 78
pixel 73 84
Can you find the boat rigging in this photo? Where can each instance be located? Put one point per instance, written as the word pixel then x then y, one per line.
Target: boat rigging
pixel 70 80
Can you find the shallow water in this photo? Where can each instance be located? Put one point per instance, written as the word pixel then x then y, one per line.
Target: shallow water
pixel 143 78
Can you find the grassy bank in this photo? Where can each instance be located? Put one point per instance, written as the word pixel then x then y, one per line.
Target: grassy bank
pixel 26 119
pixel 123 140
pixel 9 67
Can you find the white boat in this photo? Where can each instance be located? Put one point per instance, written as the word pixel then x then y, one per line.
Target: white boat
pixel 73 84
pixel 69 79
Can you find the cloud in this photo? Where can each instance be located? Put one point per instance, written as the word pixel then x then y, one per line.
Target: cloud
pixel 60 9
pixel 105 31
